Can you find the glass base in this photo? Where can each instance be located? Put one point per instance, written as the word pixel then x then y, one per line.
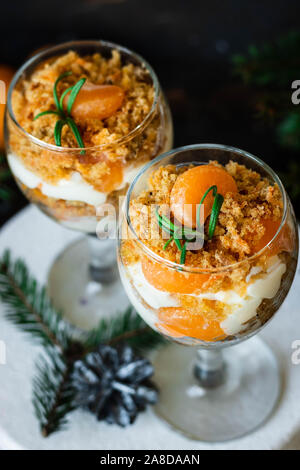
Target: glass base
pixel 243 402
pixel 75 287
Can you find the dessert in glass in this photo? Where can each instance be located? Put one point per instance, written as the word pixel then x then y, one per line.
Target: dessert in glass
pixel 208 247
pixel 82 119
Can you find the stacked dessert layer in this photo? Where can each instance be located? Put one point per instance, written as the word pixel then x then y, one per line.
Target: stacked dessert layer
pixel 120 120
pixel 230 285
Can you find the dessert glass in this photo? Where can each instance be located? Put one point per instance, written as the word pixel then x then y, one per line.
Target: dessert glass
pixel 83 281
pixel 216 392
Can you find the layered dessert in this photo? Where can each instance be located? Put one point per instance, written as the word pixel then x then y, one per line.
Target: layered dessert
pixel 230 284
pixel 80 128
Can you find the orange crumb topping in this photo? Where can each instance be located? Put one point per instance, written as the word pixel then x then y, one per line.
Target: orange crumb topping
pixel 249 217
pixel 114 100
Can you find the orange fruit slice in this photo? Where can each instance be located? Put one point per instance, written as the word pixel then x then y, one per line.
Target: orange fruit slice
pixel 191 185
pixel 179 322
pixel 6 74
pixel 96 101
pixel 112 176
pixel 166 279
pixel 111 181
pixel 283 241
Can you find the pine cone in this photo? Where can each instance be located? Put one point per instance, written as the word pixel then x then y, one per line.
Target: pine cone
pixel 113 383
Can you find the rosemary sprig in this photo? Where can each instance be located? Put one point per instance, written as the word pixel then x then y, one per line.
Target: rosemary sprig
pixel 183 254
pixel 75 90
pixel 168 243
pixel 217 204
pixel 63 75
pixel 186 233
pixel 64 116
pixel 176 233
pixel 218 201
pixel 58 130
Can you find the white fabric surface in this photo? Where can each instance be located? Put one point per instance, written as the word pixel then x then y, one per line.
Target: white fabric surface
pixel 38 240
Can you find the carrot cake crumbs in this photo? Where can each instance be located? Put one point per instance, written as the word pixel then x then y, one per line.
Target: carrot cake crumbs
pixel 240 225
pixel 34 95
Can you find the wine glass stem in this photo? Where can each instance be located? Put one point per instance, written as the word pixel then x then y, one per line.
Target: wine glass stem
pixel 102 264
pixel 209 368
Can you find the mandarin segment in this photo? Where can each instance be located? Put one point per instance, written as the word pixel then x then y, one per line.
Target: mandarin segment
pixel 96 101
pixel 191 185
pixel 283 241
pixel 167 279
pixel 111 181
pixel 107 180
pixel 184 323
pixel 166 330
pixel 6 74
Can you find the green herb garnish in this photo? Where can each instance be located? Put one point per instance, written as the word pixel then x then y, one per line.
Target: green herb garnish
pixel 176 233
pixel 183 254
pixel 187 234
pixel 64 116
pixel 218 201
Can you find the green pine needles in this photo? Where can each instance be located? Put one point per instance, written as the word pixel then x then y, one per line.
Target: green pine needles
pixel 269 70
pixel 53 396
pixel 27 304
pixel 28 307
pixel 6 193
pixel 273 64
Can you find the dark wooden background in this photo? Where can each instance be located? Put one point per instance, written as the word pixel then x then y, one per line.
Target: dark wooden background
pixel 189 43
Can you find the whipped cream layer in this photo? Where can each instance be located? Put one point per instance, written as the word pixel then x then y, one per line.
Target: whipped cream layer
pixel 73 189
pixel 243 308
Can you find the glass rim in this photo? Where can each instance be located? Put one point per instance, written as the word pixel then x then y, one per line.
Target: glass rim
pixel 56 48
pixel 193 269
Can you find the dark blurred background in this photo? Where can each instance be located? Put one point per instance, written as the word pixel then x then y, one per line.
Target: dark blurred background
pixel 215 96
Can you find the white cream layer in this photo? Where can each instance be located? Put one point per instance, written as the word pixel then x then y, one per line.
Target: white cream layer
pixel 73 189
pixel 243 308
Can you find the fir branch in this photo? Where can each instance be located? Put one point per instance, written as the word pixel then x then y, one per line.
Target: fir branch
pixel 272 64
pixel 53 396
pixel 291 178
pixel 6 193
pixel 127 326
pixel 5 174
pixel 270 70
pixel 288 130
pixel 28 306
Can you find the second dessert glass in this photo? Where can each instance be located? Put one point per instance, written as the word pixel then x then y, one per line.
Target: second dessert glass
pixel 211 392
pixel 66 182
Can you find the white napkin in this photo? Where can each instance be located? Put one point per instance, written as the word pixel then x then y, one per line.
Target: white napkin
pixel 38 240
